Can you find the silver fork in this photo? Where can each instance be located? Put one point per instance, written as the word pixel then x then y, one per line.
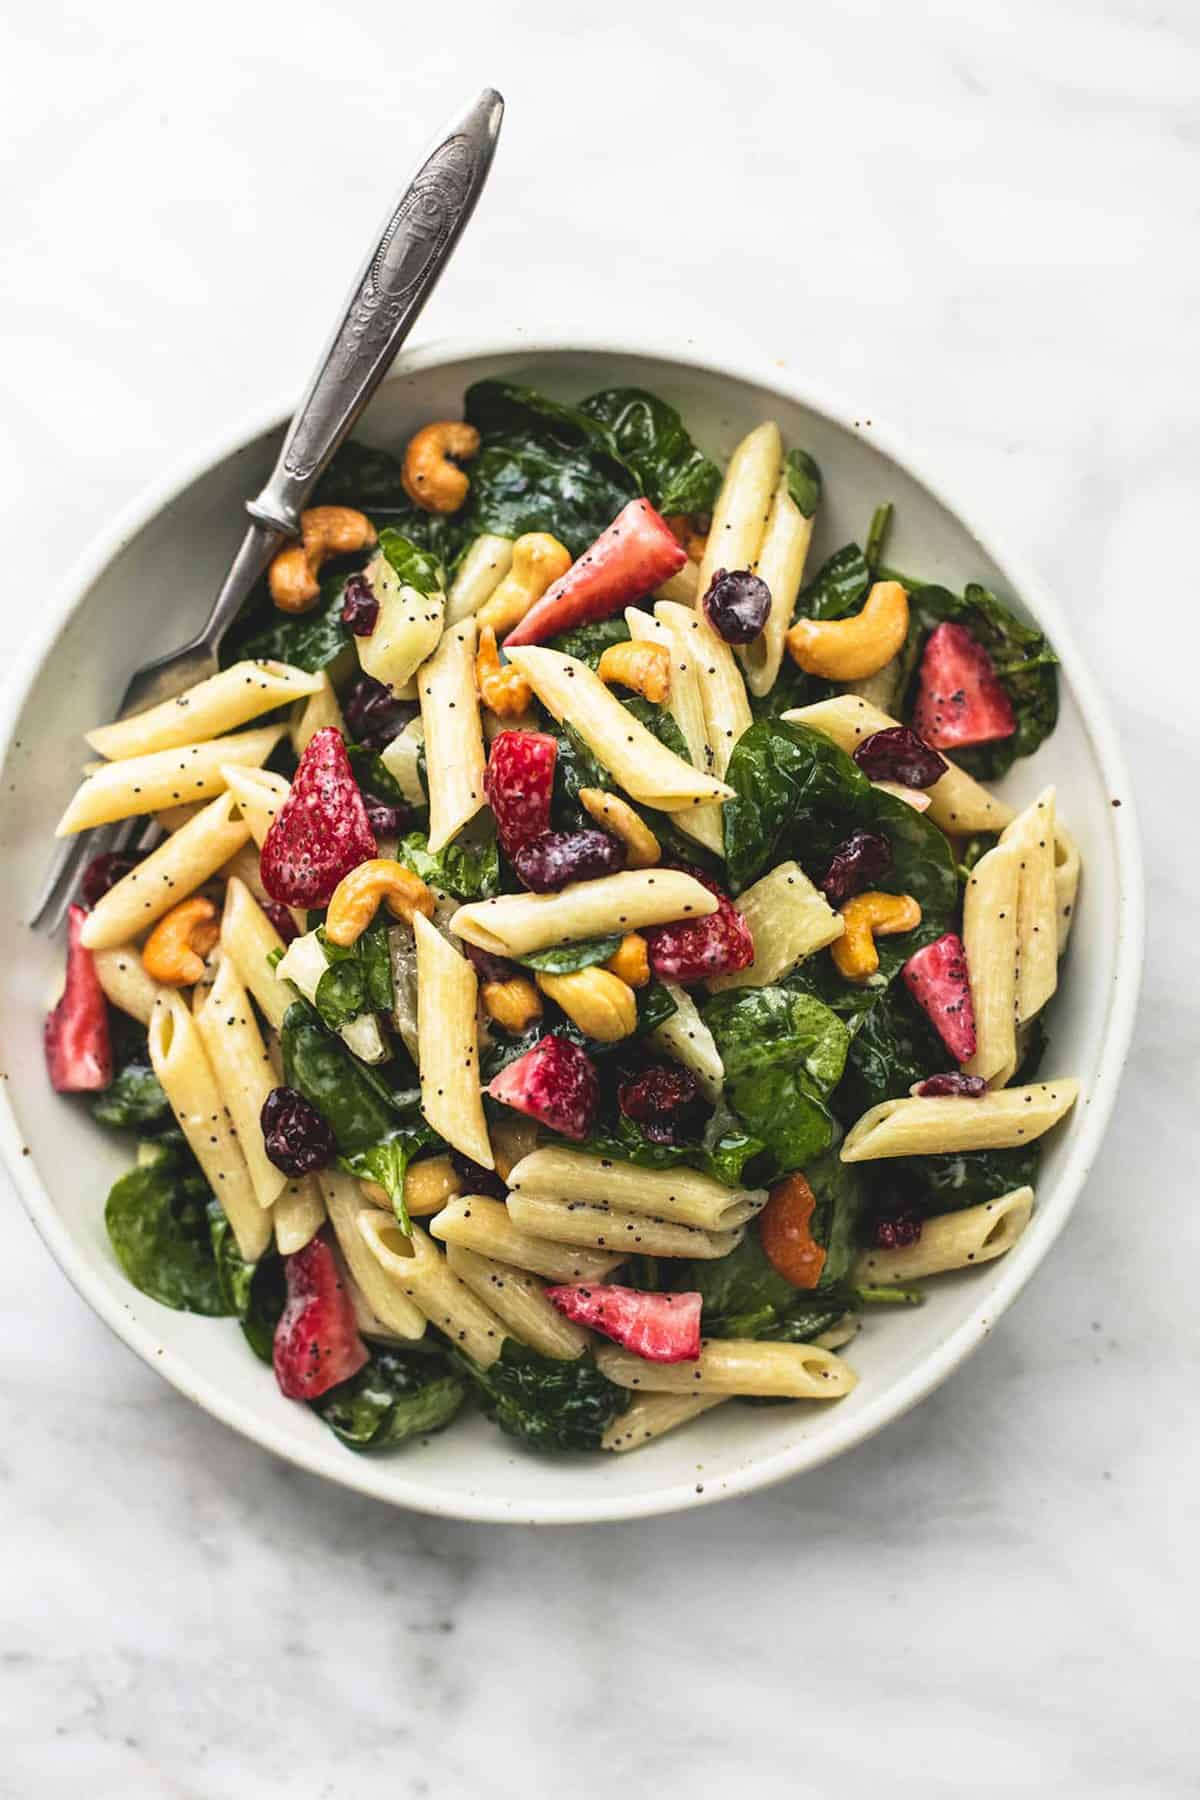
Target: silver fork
pixel 393 285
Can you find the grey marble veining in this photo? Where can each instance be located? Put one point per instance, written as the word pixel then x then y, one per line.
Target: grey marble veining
pixel 982 222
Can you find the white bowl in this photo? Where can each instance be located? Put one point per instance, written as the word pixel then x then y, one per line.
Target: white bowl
pixel 146 584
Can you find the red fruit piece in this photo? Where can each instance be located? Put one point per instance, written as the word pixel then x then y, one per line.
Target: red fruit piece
pixel 664 1101
pixel 316 1340
pixel 282 920
pixel 518 784
pixel 663 1328
pixel 960 699
pixel 555 1082
pixel 75 1036
pixel 697 949
pixel 937 979
pixel 556 858
pixel 971 1087
pixel 321 831
pixel 636 554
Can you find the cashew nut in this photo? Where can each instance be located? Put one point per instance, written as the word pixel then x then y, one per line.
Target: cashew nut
pixel 600 1003
pixel 432 480
pixel 631 961
pixel 428 1185
pixel 642 665
pixel 868 916
pixel 325 531
pixel 174 952
pixel 502 688
pixel 357 896
pixel 851 649
pixel 642 848
pixel 511 1004
pixel 538 560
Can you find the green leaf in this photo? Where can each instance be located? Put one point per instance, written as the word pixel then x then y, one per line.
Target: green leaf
pixel 547 1403
pixel 134 1099
pixel 724 1154
pixel 840 1193
pixel 804 481
pixel 651 438
pixel 416 568
pixel 399 1394
pixel 837 587
pixel 881 521
pixel 893 1046
pixel 234 1274
pixel 358 979
pixel 268 1296
pixel 938 1184
pixel 783 1053
pixel 587 643
pixel 157 1221
pixel 468 871
pixel 565 959
pixel 659 722
pixel 373 775
pixel 361 476
pixel 309 641
pixel 744 1296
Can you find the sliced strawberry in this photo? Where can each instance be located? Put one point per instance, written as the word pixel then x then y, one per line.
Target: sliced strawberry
pixel 960 699
pixel 316 1340
pixel 697 949
pixel 936 977
pixel 663 1328
pixel 281 918
pixel 555 1082
pixel 636 554
pixel 75 1036
pixel 518 783
pixel 321 831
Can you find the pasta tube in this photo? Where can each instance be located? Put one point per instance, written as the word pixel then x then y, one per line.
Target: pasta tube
pixel 238 1058
pixel 686 1038
pixel 480 573
pixel 168 875
pixel 248 939
pixel 603 1228
pixel 1032 835
pixel 519 1302
pixel 485 1227
pixel 789 919
pixel 997 1121
pixel 736 1366
pixel 383 1293
pixel 210 709
pixel 421 1272
pixel 956 1240
pixel 671 627
pixel 781 560
pixel 259 793
pixel 454 759
pixel 1066 883
pixel 314 713
pixel 122 974
pixel 990 939
pixel 144 784
pixel 653 1415
pixel 516 924
pixel 448 1045
pixel 298 1215
pixel 680 1194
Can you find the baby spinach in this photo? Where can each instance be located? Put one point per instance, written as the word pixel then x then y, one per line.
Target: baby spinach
pixel 724 1153
pixel 373 775
pixel 469 871
pixel 547 1403
pixel 881 524
pixel 589 642
pixel 784 1053
pixel 417 568
pixel 839 1191
pixel 892 1046
pixel 939 1184
pixel 399 1394
pixel 361 476
pixel 264 1305
pixel 158 1225
pixel 310 640
pixel 134 1099
pixel 565 959
pixel 653 442
pixel 358 979
pixel 804 481
pixel 837 587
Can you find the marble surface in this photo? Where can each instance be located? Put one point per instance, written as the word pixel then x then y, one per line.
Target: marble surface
pixel 979 222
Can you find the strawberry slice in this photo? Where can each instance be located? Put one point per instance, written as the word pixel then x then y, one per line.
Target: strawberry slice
pixel 555 1082
pixel 636 554
pixel 937 979
pixel 519 783
pixel 75 1037
pixel 321 831
pixel 960 698
pixel 316 1340
pixel 697 949
pixel 663 1328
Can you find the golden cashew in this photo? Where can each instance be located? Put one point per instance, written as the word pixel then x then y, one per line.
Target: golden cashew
pixel 512 1138
pixel 642 848
pixel 867 917
pixel 644 666
pixel 538 560
pixel 511 1004
pixel 357 896
pixel 174 952
pixel 601 1004
pixel 631 961
pixel 325 531
pixel 428 1185
pixel 432 480
pixel 502 688
pixel 851 649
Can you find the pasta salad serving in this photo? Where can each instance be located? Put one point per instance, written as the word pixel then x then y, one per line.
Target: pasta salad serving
pixel 575 961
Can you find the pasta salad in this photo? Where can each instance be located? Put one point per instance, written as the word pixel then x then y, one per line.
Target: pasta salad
pixel 574 959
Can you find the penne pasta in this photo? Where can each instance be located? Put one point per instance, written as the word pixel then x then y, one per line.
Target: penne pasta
pixel 422 1274
pixel 956 1240
pixel 674 626
pixel 402 760
pixel 781 560
pixel 249 939
pixel 407 627
pixel 743 505
pixel 385 1296
pixel 168 875
pixel 212 708
pixel 1032 836
pixel 259 794
pixel 997 1121
pixel 682 587
pixel 298 1214
pixel 736 1366
pixel 163 778
pixel 484 1226
pixel 313 714
pixel 238 1058
pixel 652 1416
pixel 789 919
pixel 122 974
pixel 1066 883
pixel 170 818
pixel 646 769
pixel 605 1228
pixel 480 573
pixel 686 1038
pixel 516 924
pixel 448 1045
pixel 519 1302
pixel 454 759
pixel 990 940
pixel 178 1058
pixel 680 1194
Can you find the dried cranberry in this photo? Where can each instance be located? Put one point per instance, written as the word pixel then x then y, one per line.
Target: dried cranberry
pixel 862 859
pixel 736 605
pixel 664 1101
pixel 489 967
pixel 374 715
pixel 295 1136
pixel 281 918
pixel 973 1087
pixel 384 819
pixel 897 1233
pixel 555 858
pixel 898 754
pixel 478 1179
pixel 360 608
pixel 102 873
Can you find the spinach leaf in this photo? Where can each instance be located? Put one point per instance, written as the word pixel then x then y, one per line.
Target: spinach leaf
pixel 264 1305
pixel 837 587
pixel 784 1053
pixel 399 1394
pixel 651 438
pixel 416 568
pixel 310 640
pixel 744 1296
pixel 157 1222
pixel 659 723
pixel 565 959
pixel 839 1190
pixel 589 642
pixel 234 1274
pixel 881 524
pixel 358 979
pixel 373 775
pixel 804 481
pixel 892 1046
pixel 468 871
pixel 547 1403
pixel 134 1099
pixel 938 1184
pixel 724 1154
pixel 361 476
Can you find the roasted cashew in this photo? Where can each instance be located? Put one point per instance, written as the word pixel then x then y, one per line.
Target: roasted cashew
pixel 631 960
pixel 325 531
pixel 851 649
pixel 174 952
pixel 357 896
pixel 868 916
pixel 512 1004
pixel 538 560
pixel 502 688
pixel 642 848
pixel 431 479
pixel 643 665
pixel 600 1003
pixel 428 1185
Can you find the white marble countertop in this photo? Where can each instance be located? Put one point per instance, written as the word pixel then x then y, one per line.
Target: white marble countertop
pixel 981 222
